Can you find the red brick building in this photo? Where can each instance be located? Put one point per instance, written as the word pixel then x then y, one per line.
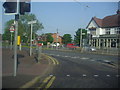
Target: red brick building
pixel 57 38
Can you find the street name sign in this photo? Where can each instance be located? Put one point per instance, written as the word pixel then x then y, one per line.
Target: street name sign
pixel 31 22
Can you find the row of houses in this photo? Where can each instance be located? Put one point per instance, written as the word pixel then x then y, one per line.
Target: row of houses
pixel 105 32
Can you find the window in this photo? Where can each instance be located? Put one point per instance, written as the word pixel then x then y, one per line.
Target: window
pixel 107 30
pixel 92 30
pixel 117 30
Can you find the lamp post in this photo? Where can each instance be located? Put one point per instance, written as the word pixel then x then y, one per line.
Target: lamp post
pixel 80 37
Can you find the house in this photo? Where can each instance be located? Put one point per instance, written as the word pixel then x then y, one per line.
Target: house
pixel 104 33
pixel 57 38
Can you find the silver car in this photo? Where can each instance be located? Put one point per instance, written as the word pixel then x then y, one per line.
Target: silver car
pixel 89 48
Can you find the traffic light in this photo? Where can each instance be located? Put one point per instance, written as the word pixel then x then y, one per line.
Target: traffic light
pixel 10 7
pixel 24 7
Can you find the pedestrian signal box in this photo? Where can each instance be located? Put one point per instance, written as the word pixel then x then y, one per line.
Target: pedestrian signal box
pixel 18 40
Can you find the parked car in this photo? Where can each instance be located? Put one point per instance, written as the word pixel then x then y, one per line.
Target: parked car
pixel 89 48
pixel 72 45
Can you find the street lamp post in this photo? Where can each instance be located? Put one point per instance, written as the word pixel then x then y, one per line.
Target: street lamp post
pixel 80 37
pixel 31 23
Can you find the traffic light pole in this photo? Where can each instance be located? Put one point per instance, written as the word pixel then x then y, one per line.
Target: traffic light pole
pixel 31 41
pixel 15 39
pixel 15 43
pixel 16 8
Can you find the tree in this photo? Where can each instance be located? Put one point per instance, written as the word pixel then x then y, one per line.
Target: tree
pixel 7 35
pixel 31 17
pixel 23 27
pixel 37 26
pixel 67 38
pixel 49 38
pixel 78 34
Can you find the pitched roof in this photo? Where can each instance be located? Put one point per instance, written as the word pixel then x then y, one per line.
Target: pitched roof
pixel 108 21
pixel 111 21
pixel 98 21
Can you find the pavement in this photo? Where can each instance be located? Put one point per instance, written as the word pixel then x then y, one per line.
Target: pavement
pixel 28 70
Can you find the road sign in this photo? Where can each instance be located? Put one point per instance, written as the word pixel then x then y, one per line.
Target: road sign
pixel 31 22
pixel 83 33
pixel 12 29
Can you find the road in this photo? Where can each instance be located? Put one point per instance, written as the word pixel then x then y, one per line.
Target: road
pixel 80 70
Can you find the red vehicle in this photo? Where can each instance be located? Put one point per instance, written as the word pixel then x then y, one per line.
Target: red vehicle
pixel 71 45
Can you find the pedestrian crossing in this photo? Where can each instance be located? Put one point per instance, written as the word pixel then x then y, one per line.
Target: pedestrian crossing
pixel 78 57
pixel 73 57
pixel 88 76
pixel 88 59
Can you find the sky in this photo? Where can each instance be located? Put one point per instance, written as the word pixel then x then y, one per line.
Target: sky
pixel 67 17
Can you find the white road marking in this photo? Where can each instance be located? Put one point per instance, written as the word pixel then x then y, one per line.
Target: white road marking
pixel 84 58
pixel 108 75
pixel 84 75
pixel 66 56
pixel 68 75
pixel 51 54
pixel 117 75
pixel 57 55
pixel 106 60
pixel 51 75
pixel 74 57
pixel 92 60
pixel 96 75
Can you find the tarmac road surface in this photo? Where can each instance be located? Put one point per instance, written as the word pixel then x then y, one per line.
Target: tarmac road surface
pixel 79 70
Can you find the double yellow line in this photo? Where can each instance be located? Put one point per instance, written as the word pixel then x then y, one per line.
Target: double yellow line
pixel 55 62
pixel 47 82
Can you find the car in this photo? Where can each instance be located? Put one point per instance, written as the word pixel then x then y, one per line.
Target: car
pixel 93 49
pixel 89 48
pixel 71 45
